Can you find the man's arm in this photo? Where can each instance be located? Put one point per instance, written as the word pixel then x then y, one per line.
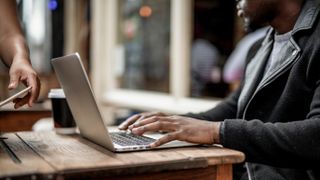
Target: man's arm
pixel 292 144
pixel 227 109
pixel 14 53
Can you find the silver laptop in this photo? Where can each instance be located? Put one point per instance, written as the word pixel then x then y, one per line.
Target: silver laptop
pixel 75 83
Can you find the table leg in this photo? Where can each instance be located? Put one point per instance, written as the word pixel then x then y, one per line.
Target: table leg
pixel 224 172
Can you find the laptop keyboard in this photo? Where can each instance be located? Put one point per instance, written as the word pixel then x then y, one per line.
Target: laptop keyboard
pixel 128 139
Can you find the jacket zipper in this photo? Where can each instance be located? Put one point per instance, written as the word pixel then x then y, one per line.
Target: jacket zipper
pixel 262 86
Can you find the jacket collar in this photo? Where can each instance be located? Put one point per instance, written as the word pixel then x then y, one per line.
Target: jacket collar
pixel 307 17
pixel 305 21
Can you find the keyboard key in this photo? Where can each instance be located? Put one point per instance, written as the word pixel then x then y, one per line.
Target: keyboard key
pixel 128 139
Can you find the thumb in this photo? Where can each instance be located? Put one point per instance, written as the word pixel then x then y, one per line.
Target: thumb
pixel 14 81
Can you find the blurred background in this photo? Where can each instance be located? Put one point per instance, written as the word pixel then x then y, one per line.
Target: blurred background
pixel 141 55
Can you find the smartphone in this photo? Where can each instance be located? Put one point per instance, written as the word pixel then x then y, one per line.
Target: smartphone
pixel 18 94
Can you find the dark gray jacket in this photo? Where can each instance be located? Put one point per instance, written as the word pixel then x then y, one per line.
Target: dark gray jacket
pixel 277 123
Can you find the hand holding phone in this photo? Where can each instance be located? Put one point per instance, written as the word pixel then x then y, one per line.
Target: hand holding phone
pixel 15 96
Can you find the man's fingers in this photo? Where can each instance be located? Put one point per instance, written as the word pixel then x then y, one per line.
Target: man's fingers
pixel 145 120
pixel 30 79
pixel 128 122
pixel 142 121
pixel 33 81
pixel 18 102
pixel 136 118
pixel 14 81
pixel 154 127
pixel 165 139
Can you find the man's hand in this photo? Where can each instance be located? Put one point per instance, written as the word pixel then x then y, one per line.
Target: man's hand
pixel 15 54
pixel 21 71
pixel 178 128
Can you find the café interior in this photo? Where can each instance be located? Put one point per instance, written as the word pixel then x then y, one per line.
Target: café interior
pixel 140 55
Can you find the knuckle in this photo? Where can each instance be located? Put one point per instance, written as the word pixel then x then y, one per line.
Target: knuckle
pixel 147 114
pixel 181 137
pixel 159 142
pixel 170 136
pixel 176 117
pixel 34 74
pixel 162 141
pixel 155 118
pixel 159 124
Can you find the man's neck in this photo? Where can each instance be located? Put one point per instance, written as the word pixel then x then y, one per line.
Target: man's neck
pixel 287 17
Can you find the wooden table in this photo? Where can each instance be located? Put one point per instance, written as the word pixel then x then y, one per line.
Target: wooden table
pixel 48 155
pixel 22 119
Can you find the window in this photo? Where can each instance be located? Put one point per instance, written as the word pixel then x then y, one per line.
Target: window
pixel 142 52
pixel 110 54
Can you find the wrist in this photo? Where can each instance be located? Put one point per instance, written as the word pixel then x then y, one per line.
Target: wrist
pixel 215 132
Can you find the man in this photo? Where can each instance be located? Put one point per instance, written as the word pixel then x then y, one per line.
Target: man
pixel 274 117
pixel 14 53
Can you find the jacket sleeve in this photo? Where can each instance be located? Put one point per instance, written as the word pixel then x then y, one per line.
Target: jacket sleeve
pixel 292 144
pixel 224 110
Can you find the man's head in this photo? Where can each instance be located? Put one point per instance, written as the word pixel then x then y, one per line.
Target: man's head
pixel 260 12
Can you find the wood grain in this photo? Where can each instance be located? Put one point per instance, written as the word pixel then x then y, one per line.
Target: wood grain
pixel 31 164
pixel 214 155
pixel 68 153
pixel 208 173
pixel 73 156
pixel 20 120
pixel 224 172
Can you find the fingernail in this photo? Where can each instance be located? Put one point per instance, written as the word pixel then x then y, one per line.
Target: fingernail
pixel 136 130
pixel 11 85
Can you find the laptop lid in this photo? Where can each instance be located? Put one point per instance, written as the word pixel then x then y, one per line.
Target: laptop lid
pixel 76 86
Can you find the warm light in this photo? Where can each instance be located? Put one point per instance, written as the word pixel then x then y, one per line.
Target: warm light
pixel 145 11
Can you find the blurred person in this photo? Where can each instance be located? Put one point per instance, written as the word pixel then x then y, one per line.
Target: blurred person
pixel 15 54
pixel 234 68
pixel 274 116
pixel 204 58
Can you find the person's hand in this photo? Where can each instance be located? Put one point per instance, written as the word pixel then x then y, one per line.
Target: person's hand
pixel 179 128
pixel 135 119
pixel 21 71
